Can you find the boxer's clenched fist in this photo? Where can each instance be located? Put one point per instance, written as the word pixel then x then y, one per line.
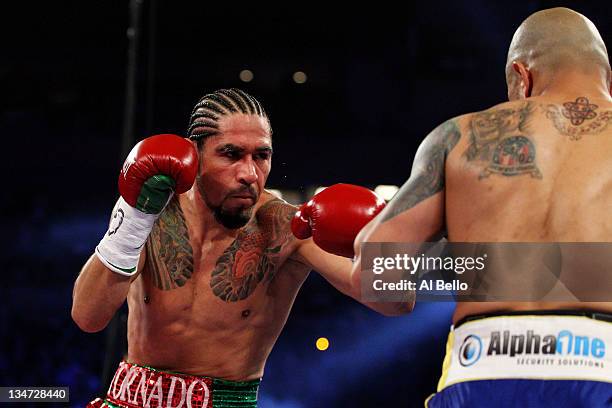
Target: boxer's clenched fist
pixel 335 216
pixel 156 168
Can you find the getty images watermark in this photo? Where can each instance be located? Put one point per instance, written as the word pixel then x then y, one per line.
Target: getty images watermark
pixel 405 263
pixel 487 271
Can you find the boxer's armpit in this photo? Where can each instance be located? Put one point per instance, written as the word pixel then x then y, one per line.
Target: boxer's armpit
pixel 169 253
pixel 427 176
pixel 295 268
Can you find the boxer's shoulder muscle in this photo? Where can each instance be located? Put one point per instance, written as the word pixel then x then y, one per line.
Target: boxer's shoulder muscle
pixel 500 140
pixel 274 217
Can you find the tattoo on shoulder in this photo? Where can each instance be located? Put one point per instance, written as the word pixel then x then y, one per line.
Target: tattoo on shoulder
pixel 169 253
pixel 500 139
pixel 428 170
pixel 254 256
pixel 275 217
pixel 578 118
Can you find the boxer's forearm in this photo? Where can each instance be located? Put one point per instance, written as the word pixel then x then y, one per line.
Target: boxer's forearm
pixel 384 308
pixel 98 293
pixel 335 269
pixel 391 308
pixel 338 275
pixel 344 275
pixel 347 287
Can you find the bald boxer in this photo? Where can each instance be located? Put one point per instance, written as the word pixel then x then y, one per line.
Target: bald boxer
pixel 537 168
pixel 210 269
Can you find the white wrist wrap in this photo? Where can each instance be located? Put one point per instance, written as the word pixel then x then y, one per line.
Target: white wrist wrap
pixel 127 233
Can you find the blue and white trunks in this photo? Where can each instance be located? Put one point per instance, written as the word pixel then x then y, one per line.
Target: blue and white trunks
pixel 528 359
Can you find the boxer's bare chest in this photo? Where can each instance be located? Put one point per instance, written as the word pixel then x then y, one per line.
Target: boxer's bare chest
pixel 181 273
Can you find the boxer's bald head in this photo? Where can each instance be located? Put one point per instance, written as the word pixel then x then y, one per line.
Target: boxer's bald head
pixel 553 41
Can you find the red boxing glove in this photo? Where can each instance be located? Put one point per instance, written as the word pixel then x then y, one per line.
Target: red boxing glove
pixel 335 216
pixel 155 168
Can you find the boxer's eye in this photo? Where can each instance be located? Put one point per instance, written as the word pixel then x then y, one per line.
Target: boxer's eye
pixel 232 154
pixel 262 156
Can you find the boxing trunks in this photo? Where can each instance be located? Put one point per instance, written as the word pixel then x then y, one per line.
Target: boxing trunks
pixel 138 386
pixel 528 359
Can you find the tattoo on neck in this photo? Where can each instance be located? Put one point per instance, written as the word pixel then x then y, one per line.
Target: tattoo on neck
pixel 578 118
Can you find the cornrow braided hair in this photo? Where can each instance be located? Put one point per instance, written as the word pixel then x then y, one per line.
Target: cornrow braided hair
pixel 204 120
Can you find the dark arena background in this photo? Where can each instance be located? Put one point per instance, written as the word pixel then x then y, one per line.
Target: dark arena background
pixel 350 93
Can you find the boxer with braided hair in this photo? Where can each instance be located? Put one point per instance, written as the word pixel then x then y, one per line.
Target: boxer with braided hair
pixel 210 273
pixel 204 120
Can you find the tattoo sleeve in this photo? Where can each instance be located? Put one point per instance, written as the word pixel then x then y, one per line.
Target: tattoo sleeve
pixel 169 253
pixel 427 176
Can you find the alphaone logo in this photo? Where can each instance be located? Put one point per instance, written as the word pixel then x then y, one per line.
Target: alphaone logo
pixel 470 350
pixel 505 343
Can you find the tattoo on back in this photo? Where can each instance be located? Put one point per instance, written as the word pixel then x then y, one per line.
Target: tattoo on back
pixel 428 170
pixel 499 138
pixel 578 118
pixel 254 255
pixel 169 253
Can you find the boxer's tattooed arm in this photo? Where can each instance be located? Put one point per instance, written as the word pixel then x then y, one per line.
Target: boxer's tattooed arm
pixel 275 217
pixel 427 176
pixel 499 138
pixel 255 254
pixel 169 253
pixel 578 118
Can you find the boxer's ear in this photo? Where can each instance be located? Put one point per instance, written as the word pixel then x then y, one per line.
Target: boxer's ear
pixel 526 79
